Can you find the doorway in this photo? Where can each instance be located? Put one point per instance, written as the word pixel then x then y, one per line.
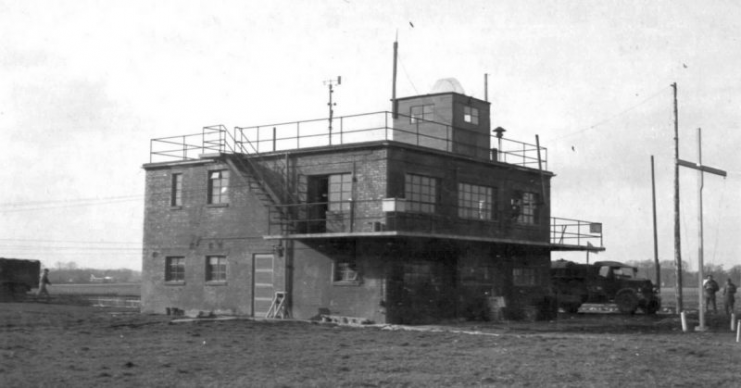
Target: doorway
pixel 263 284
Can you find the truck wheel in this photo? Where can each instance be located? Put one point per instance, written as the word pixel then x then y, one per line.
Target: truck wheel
pixel 627 301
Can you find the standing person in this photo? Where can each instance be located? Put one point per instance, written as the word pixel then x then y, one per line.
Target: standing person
pixel 43 282
pixel 729 294
pixel 710 287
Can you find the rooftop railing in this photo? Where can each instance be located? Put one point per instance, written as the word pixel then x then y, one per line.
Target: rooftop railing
pixel 363 128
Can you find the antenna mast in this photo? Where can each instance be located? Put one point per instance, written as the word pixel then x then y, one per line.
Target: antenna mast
pixel 331 83
pixel 394 106
pixel 677 242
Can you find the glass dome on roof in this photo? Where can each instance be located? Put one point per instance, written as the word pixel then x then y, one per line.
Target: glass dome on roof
pixel 446 85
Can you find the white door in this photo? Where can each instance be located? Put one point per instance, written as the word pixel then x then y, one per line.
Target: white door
pixel 263 288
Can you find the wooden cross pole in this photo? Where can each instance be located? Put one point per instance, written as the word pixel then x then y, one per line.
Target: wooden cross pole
pixel 701 170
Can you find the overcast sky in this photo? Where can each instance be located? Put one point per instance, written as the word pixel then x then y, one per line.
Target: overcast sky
pixel 85 85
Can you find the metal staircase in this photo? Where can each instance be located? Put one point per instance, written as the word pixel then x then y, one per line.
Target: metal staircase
pixel 244 161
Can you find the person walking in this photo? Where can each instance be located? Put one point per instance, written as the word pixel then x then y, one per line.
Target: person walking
pixel 43 282
pixel 729 295
pixel 710 287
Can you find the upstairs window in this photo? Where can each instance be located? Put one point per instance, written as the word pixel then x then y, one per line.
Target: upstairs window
pixel 524 277
pixel 216 268
pixel 218 181
pixel 525 208
pixel 475 202
pixel 340 192
pixel 420 192
pixel 421 113
pixel 175 269
pixel 176 193
pixel 471 115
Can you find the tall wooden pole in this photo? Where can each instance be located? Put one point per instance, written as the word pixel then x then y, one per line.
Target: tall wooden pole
pixel 656 238
pixel 677 241
pixel 700 265
pixel 700 248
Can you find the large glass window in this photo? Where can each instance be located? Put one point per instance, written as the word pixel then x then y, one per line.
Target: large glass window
pixel 340 192
pixel 421 193
pixel 475 201
pixel 471 115
pixel 176 195
pixel 218 181
pixel 421 113
pixel 216 268
pixel 175 269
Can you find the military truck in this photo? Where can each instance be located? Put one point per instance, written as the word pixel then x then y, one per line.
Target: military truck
pixel 17 278
pixel 602 282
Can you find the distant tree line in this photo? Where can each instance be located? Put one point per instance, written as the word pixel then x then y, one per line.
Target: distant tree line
pixel 70 273
pixel 647 269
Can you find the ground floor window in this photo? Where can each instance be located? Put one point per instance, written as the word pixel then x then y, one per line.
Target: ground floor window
pixel 175 269
pixel 345 269
pixel 216 268
pixel 346 272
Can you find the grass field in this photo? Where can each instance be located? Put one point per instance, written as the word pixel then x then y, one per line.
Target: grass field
pixel 690 295
pixel 98 289
pixel 54 345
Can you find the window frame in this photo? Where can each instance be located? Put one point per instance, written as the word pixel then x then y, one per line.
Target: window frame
pixel 528 202
pixel 471 114
pixel 421 193
pixel 340 201
pixel 175 273
pixel 345 272
pixel 524 277
pixel 218 194
pixel 421 113
pixel 470 194
pixel 176 190
pixel 216 272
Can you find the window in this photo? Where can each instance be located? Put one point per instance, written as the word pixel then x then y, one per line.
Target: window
pixel 527 209
pixel 475 201
pixel 471 115
pixel 420 193
pixel 421 113
pixel 176 195
pixel 340 192
pixel 218 181
pixel 216 268
pixel 523 277
pixel 346 271
pixel 175 269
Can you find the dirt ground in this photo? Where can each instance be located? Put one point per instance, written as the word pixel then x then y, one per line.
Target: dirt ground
pixel 56 345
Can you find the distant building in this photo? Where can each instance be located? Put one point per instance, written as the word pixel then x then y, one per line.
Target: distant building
pixel 412 217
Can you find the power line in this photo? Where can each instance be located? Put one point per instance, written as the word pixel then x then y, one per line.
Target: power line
pixel 613 117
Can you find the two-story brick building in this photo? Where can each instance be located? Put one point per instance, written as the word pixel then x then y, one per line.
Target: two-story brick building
pixel 415 216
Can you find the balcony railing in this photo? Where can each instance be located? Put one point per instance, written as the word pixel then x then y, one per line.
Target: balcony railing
pixel 354 129
pixel 566 231
pixel 397 215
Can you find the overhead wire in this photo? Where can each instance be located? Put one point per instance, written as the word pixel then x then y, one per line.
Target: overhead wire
pixel 613 117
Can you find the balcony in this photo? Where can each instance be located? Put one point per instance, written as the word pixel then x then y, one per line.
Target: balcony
pixel 392 217
pixel 363 128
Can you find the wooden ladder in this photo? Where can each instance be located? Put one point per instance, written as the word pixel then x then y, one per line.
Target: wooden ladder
pixel 278 307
